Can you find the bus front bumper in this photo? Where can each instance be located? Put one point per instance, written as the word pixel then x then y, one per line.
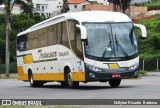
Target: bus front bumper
pixel 107 74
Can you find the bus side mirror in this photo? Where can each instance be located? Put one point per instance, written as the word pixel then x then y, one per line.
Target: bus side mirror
pixel 83 32
pixel 143 30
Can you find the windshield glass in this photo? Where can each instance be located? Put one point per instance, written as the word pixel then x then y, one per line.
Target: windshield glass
pixel 110 40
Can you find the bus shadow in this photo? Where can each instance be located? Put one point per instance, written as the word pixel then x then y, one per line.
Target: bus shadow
pixel 87 87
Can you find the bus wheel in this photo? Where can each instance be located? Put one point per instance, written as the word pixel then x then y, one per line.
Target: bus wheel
pixel 63 83
pixel 114 83
pixel 68 80
pixel 34 83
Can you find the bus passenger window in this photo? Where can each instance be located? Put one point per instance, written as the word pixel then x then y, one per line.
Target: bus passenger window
pixel 18 43
pixel 52 35
pixel 21 43
pixel 21 46
pixel 59 33
pixel 71 29
pixel 65 41
pixel 43 37
pixel 78 40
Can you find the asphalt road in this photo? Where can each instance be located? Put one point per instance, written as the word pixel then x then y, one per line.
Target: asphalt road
pixel 145 88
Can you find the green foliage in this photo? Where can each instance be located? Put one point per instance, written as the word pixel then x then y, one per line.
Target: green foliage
pixel 26 6
pixel 19 23
pixel 142 72
pixel 152 43
pixel 123 4
pixel 1 2
pixel 150 4
pixel 12 68
pixel 155 41
pixel 149 48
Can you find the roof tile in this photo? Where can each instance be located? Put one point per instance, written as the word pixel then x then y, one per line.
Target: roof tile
pixel 75 1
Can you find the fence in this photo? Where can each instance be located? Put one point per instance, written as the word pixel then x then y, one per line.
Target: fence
pixel 150 64
pixel 12 68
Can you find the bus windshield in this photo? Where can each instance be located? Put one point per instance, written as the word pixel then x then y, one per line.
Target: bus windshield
pixel 110 40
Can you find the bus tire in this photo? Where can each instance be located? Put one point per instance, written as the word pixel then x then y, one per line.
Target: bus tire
pixel 34 83
pixel 63 83
pixel 68 80
pixel 114 83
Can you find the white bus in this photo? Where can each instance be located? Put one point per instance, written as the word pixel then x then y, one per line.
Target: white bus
pixel 79 47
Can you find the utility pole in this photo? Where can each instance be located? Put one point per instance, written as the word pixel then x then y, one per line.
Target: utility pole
pixel 8 28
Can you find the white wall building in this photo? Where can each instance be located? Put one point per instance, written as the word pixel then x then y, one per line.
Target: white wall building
pixel 77 5
pixel 2 9
pixel 104 2
pixel 47 8
pixel 51 8
pixel 16 9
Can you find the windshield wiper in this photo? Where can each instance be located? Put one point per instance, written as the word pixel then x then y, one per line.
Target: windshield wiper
pixel 117 43
pixel 108 46
pixel 131 36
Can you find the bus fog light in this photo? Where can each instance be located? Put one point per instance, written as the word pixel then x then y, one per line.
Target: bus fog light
pixel 93 68
pixel 136 73
pixel 92 75
pixel 133 67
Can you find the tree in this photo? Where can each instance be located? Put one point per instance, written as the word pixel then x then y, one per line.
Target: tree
pixel 122 4
pixel 125 4
pixel 65 7
pixel 26 5
pixel 1 2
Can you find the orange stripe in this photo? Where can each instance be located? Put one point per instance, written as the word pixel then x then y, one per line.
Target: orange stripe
pixel 28 59
pixel 49 76
pixel 21 74
pixel 78 76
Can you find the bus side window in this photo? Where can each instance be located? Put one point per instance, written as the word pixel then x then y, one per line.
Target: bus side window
pixel 59 33
pixel 78 40
pixel 52 35
pixel 65 41
pixel 18 43
pixel 21 42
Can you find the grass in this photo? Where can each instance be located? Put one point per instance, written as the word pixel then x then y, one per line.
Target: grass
pixel 2 76
pixel 142 73
pixel 150 4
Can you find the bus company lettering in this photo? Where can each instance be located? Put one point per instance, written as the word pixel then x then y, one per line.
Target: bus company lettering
pixel 46 54
pixel 65 53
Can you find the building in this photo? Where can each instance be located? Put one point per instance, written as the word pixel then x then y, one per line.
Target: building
pixel 15 10
pixel 2 9
pixel 77 5
pixel 48 8
pixel 104 2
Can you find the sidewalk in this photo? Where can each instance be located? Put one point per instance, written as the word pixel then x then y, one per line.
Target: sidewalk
pixel 153 73
pixel 12 75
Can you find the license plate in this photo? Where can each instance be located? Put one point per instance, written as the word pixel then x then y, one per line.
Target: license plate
pixel 116 75
pixel 113 66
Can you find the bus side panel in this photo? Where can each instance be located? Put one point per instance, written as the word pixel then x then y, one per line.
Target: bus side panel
pixel 79 74
pixel 67 58
pixel 21 74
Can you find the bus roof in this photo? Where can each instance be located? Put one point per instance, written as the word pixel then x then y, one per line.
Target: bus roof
pixel 83 16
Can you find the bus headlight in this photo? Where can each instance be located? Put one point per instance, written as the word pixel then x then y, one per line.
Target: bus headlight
pixel 93 68
pixel 133 67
